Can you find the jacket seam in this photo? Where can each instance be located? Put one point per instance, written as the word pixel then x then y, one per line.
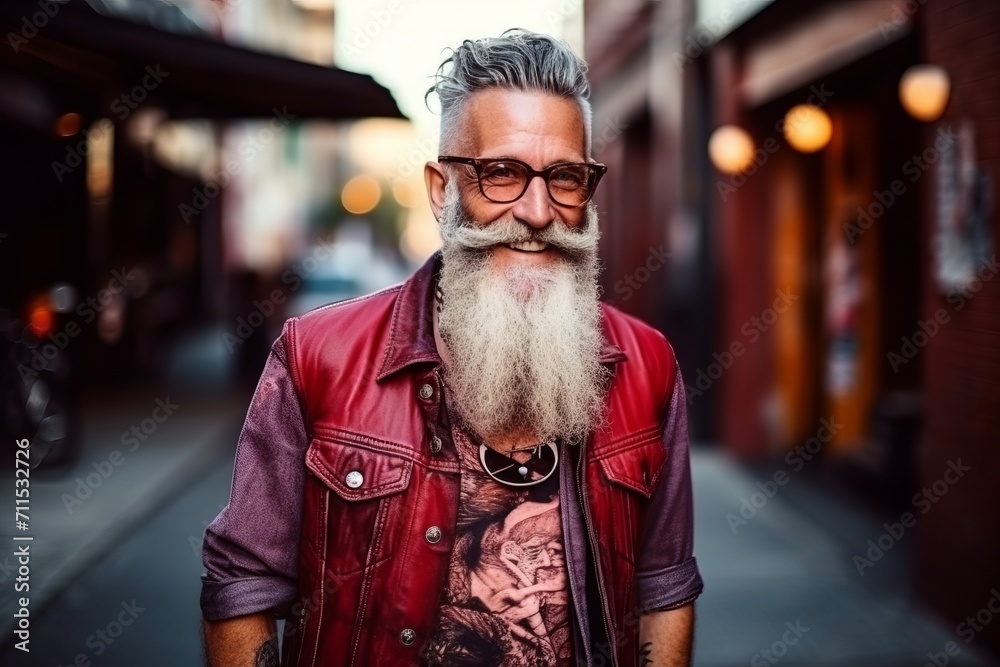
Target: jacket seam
pixel 322 574
pixel 634 440
pixel 369 574
pixel 391 343
pixel 380 446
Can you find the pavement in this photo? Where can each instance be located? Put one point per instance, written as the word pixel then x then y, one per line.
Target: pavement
pixel 784 586
pixel 123 476
pixel 115 578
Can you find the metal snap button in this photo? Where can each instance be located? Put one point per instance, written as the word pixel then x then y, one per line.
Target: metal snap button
pixel 407 636
pixel 354 479
pixel 435 444
pixel 426 391
pixel 433 535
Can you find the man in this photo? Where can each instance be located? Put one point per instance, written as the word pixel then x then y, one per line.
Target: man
pixel 484 465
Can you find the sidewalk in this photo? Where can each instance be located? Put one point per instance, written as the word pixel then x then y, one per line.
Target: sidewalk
pixel 785 582
pixel 86 512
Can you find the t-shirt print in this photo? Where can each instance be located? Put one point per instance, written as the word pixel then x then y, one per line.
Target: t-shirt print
pixel 506 601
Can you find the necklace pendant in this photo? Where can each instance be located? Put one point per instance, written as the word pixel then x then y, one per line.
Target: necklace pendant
pixel 506 471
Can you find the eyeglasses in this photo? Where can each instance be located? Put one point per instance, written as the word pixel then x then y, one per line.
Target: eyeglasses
pixel 506 180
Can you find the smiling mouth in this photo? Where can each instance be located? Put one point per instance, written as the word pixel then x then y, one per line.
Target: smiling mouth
pixel 528 246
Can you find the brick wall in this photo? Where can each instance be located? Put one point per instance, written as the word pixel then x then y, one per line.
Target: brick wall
pixel 959 537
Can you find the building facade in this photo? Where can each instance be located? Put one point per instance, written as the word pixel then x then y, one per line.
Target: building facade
pixel 842 294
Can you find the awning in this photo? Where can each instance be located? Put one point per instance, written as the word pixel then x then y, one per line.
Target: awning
pixel 77 54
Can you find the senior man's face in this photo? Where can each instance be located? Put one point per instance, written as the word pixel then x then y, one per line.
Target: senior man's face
pixel 521 316
pixel 540 130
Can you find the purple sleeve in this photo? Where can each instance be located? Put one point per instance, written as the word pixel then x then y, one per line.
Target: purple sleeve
pixel 251 549
pixel 666 571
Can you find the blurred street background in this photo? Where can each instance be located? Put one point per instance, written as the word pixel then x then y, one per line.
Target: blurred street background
pixel 800 195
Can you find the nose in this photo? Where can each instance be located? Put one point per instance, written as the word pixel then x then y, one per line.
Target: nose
pixel 534 208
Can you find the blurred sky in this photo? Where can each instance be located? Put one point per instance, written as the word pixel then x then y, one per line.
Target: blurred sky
pixel 406 41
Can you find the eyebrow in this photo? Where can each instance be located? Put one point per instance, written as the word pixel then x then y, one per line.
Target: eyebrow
pixel 517 159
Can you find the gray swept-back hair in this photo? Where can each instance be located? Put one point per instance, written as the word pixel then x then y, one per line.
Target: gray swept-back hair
pixel 519 60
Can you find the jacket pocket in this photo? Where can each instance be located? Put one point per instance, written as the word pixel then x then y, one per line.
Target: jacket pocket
pixel 635 462
pixel 622 477
pixel 359 490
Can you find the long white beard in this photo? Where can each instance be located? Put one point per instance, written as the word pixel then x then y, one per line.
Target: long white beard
pixel 524 343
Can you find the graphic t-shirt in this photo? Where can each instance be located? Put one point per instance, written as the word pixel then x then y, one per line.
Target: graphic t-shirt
pixel 506 601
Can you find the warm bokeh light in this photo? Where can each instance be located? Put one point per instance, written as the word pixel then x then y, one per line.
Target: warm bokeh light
pixel 408 193
pixel 40 318
pixel 420 235
pixel 187 147
pixel 731 149
pixel 69 124
pixel 807 128
pixel 924 91
pixel 361 194
pixel 100 163
pixel 144 124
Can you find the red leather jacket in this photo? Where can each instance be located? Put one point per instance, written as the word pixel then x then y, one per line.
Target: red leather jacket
pixel 382 471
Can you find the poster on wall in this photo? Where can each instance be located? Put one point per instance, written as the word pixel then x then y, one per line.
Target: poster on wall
pixel 963 240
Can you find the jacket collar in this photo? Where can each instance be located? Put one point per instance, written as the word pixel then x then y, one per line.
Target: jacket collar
pixel 411 333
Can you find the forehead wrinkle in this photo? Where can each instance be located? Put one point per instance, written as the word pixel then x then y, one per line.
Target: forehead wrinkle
pixel 482 118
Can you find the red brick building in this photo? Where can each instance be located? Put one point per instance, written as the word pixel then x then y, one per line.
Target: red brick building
pixel 856 283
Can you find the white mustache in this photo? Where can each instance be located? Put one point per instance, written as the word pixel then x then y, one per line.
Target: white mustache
pixel 573 242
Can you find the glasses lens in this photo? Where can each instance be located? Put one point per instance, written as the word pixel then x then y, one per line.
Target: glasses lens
pixel 503 181
pixel 570 184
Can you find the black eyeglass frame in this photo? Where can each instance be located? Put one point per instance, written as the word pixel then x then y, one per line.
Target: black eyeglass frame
pixel 597 171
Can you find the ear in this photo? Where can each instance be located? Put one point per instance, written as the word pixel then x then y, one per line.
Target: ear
pixel 435 180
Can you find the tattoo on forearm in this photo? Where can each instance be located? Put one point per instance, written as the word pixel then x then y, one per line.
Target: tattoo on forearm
pixel 267 654
pixel 644 652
